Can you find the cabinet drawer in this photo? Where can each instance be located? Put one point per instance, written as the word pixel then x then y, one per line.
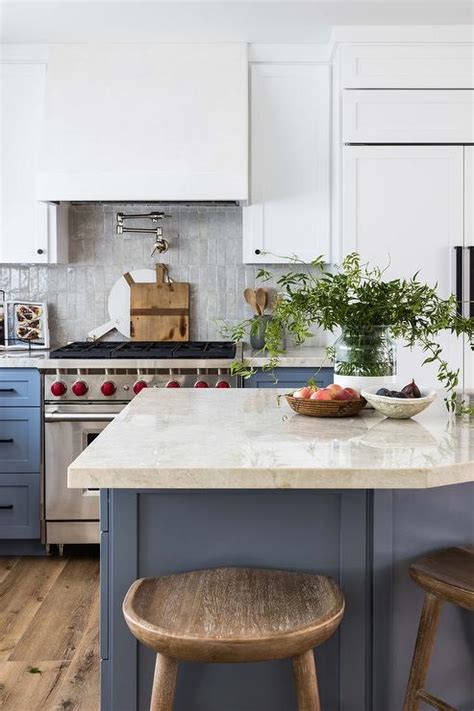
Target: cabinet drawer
pixel 290 378
pixel 19 387
pixel 397 116
pixel 20 429
pixel 19 506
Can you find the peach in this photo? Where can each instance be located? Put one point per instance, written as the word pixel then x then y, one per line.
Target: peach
pixel 353 393
pixel 343 395
pixel 334 387
pixel 322 395
pixel 304 393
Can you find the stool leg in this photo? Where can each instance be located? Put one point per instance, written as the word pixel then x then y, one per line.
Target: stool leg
pixel 423 648
pixel 304 671
pixel 164 684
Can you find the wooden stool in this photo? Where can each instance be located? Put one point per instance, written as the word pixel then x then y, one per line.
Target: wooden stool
pixel 446 575
pixel 234 615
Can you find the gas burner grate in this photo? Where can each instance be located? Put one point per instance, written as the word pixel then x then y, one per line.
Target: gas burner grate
pixel 146 349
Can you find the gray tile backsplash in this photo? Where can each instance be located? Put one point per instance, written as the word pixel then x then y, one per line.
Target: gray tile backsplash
pixel 205 249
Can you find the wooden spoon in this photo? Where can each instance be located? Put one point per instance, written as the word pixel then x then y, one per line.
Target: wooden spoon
pixel 261 298
pixel 251 298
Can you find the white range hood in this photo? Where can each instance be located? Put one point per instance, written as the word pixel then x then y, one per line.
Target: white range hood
pixel 145 122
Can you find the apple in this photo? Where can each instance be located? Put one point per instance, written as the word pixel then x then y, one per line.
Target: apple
pixel 334 387
pixel 304 393
pixel 323 394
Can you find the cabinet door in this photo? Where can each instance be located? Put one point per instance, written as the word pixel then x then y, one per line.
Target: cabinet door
pixel 30 231
pixel 469 243
pixel 403 207
pixel 289 164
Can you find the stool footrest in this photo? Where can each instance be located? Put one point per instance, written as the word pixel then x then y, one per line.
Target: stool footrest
pixel 434 701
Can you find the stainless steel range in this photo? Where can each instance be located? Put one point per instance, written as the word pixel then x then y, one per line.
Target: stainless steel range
pixel 85 386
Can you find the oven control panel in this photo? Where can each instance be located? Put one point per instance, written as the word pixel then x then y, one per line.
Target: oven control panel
pixel 119 387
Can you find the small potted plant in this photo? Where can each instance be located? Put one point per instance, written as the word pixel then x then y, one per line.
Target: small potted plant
pixel 370 312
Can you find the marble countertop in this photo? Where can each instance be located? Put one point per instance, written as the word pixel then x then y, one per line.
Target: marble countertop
pixel 302 357
pixel 248 439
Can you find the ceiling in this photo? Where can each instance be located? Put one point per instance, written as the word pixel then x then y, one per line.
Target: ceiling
pixel 263 21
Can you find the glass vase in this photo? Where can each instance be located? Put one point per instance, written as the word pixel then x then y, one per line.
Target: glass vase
pixel 365 357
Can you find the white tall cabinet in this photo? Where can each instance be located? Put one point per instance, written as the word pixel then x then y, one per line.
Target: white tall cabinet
pixel 30 231
pixel 404 207
pixel 289 203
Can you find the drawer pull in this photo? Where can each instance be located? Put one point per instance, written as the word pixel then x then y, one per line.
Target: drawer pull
pixel 7 506
pixel 7 441
pixel 7 390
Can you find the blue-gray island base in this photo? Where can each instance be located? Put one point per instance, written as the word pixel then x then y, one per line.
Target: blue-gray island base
pixel 365 539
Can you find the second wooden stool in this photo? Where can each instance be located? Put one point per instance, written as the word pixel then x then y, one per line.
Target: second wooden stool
pixel 234 615
pixel 445 576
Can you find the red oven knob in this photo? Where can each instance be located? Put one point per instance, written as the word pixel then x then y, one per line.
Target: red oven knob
pixel 201 384
pixel 79 388
pixel 222 384
pixel 172 384
pixel 108 388
pixel 139 385
pixel 58 388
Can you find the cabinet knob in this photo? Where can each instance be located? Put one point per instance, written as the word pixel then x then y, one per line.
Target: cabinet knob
pixel 40 251
pixel 258 251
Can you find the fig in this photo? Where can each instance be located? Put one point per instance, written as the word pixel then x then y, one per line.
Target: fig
pixel 411 390
pixel 395 393
pixel 383 391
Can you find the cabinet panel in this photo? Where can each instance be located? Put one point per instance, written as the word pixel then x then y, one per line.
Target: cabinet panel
pixel 379 66
pixel 403 207
pixel 19 387
pixel 290 195
pixel 19 506
pixel 19 439
pixel 408 116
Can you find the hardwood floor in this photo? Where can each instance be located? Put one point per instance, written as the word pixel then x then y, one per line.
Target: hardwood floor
pixel 49 634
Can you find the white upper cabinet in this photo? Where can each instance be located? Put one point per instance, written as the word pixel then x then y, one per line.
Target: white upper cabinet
pixel 146 122
pixel 30 231
pixel 469 245
pixel 407 66
pixel 289 210
pixel 404 207
pixel 397 116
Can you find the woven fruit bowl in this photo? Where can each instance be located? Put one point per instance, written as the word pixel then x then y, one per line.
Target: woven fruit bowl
pixel 325 408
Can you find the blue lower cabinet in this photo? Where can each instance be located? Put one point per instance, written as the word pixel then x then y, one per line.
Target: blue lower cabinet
pixel 290 378
pixel 20 453
pixel 19 506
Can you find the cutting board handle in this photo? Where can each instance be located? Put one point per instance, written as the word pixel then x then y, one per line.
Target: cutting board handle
pixel 128 278
pixel 162 275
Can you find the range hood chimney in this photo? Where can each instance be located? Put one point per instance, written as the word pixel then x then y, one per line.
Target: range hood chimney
pixel 145 123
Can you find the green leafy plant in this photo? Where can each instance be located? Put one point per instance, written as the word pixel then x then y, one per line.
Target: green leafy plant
pixel 356 297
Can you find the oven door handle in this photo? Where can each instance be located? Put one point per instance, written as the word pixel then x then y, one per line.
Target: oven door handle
pixel 80 416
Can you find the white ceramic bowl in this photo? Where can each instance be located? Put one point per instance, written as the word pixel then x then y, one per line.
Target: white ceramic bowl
pixel 396 407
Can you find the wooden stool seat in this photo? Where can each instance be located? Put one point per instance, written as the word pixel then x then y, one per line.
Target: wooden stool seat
pixel 445 576
pixel 448 574
pixel 234 615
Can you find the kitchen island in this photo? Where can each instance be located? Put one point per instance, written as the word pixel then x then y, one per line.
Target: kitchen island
pixel 193 479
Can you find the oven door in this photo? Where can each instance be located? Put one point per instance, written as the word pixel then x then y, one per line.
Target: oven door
pixel 68 431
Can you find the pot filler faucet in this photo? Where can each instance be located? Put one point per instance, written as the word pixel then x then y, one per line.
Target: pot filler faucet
pixel 161 244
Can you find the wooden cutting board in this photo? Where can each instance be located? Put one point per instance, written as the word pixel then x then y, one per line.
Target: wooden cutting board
pixel 159 311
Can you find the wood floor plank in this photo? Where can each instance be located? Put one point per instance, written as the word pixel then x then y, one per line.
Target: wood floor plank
pixel 22 593
pixel 58 626
pixel 6 565
pixel 21 690
pixel 80 688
